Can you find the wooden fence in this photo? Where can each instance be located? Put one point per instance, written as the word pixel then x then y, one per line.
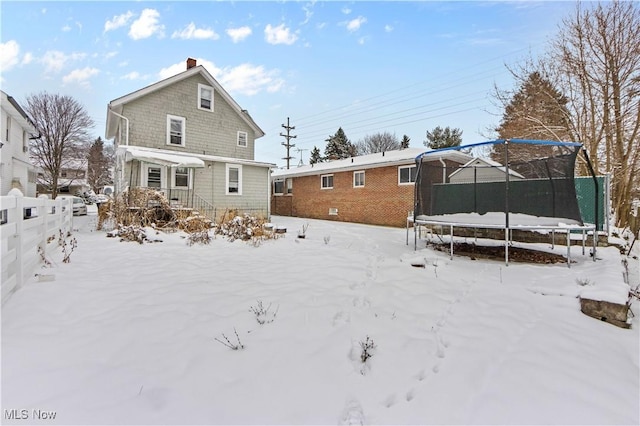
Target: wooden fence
pixel 29 229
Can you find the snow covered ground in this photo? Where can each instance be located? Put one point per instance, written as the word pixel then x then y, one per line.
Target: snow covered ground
pixel 125 334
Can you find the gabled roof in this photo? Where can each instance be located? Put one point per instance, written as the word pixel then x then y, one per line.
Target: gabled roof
pixel 486 163
pixel 379 159
pixel 117 104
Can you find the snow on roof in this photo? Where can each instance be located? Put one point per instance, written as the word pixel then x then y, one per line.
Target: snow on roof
pixel 184 159
pixel 378 159
pixel 489 163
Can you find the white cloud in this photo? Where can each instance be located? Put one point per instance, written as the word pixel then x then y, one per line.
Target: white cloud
pixel 321 25
pixel 9 52
pixel 362 40
pixel 388 28
pixel 54 60
pixel 110 55
pixel 249 79
pixel 146 25
pixel 27 58
pixel 238 34
pixel 66 29
pixel 191 32
pixel 118 21
pixel 134 75
pixel 308 12
pixel 174 69
pixel 355 24
pixel 80 76
pixel 246 79
pixel 346 10
pixel 279 35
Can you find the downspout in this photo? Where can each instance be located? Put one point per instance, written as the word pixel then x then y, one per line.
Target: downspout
pixel 444 170
pixel 126 138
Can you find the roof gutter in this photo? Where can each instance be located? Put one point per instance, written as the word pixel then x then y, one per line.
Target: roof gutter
pixel 126 138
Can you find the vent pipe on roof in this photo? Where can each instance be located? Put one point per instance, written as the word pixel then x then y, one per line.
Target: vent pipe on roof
pixel 191 63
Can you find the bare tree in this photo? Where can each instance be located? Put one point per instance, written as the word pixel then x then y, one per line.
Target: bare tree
pixel 596 57
pixel 594 62
pixel 64 125
pixel 378 142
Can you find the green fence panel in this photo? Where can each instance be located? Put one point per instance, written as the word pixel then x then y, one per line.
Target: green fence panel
pixel 586 195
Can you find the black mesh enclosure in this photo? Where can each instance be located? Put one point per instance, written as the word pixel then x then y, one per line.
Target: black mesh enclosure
pixel 534 178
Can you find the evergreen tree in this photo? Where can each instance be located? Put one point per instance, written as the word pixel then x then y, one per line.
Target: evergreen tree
pixel 315 156
pixel 536 111
pixel 339 146
pixel 443 138
pixel 97 166
pixel 404 143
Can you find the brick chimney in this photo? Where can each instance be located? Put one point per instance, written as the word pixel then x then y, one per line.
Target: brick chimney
pixel 191 63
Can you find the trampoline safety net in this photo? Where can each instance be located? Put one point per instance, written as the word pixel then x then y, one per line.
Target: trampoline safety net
pixel 534 178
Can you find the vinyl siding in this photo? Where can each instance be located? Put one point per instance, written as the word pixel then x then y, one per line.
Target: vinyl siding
pixel 211 133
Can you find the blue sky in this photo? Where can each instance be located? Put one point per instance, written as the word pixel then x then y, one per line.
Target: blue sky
pixel 368 67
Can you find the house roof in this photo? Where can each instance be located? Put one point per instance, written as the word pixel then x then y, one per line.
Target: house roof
pixel 17 113
pixel 369 161
pixel 182 159
pixel 487 162
pixel 117 104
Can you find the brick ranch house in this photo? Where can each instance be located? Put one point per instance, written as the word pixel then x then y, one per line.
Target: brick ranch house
pixel 374 189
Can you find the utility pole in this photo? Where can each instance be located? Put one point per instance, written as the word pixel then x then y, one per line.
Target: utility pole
pixel 288 144
pixel 300 150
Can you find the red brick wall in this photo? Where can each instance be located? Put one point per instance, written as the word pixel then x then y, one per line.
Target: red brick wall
pixel 380 202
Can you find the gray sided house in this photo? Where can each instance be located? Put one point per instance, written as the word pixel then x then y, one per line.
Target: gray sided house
pixel 186 137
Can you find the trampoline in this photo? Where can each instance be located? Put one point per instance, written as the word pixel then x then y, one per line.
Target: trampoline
pixel 508 184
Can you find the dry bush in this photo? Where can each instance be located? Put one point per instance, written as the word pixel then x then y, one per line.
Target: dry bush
pixel 245 228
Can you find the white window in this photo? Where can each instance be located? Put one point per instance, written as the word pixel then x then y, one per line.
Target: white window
pixel 289 186
pixel 181 177
pixel 175 130
pixel 358 179
pixel 205 97
pixel 242 139
pixel 326 181
pixel 234 179
pixel 407 175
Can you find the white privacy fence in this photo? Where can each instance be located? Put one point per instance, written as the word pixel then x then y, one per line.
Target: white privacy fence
pixel 29 228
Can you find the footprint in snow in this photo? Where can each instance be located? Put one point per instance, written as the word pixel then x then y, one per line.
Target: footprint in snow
pixel 353 414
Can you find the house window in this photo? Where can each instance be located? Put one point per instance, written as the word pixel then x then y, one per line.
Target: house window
pixel 8 128
pixel 205 97
pixel 358 179
pixel 181 177
pixel 289 186
pixel 278 186
pixel 4 216
pixel 407 175
pixel 242 139
pixel 234 179
pixel 63 173
pixel 326 181
pixel 175 130
pixel 154 177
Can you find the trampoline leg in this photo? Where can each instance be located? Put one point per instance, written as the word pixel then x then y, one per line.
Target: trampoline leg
pixel 451 236
pixel 584 238
pixel 506 247
pixel 568 248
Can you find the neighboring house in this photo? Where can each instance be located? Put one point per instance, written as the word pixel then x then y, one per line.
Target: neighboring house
pixel 482 170
pixel 16 170
pixel 72 179
pixel 376 189
pixel 186 136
